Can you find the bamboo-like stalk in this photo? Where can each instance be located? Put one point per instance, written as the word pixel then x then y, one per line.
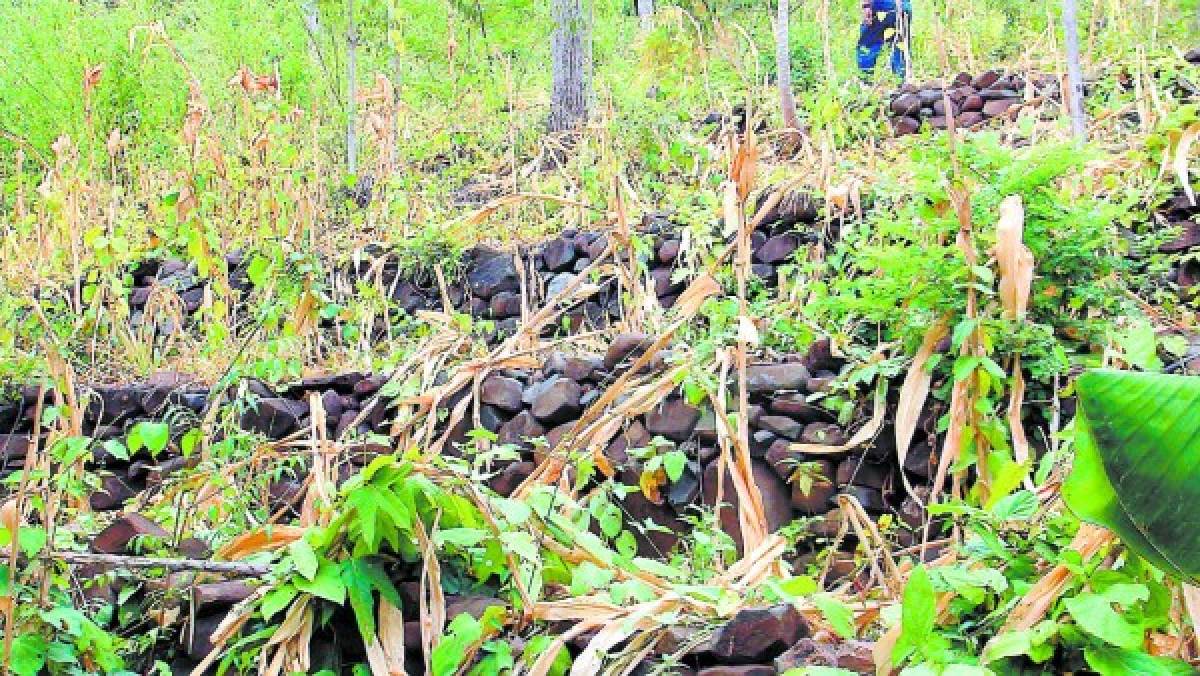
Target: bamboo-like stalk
pixel 1074 95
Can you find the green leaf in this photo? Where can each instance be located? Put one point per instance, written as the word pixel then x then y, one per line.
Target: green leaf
pixel 836 613
pixel 116 449
pixel 674 463
pixel 463 537
pixel 326 584
pixel 450 651
pixel 362 577
pixel 1140 346
pixel 1109 661
pixel 1094 613
pixel 304 557
pixel 277 599
pixel 918 610
pixel 28 654
pixel 1016 507
pixel 1137 459
pixel 587 577
pixel 538 645
pixel 154 436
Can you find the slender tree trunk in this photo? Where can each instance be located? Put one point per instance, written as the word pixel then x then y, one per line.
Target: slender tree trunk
pixel 645 10
pixel 352 90
pixel 783 67
pixel 1074 97
pixel 571 51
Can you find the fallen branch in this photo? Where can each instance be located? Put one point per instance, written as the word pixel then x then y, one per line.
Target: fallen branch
pixel 172 565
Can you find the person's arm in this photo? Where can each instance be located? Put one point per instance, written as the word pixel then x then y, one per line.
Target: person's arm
pixel 868 12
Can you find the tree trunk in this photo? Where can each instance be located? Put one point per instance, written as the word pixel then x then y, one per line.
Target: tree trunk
pixel 571 51
pixel 1074 97
pixel 783 67
pixel 352 90
pixel 645 10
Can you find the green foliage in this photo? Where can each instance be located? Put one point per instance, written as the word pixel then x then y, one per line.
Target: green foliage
pixel 1135 461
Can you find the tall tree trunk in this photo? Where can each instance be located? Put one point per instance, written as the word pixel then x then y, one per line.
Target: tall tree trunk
pixel 570 49
pixel 783 67
pixel 352 89
pixel 645 10
pixel 1074 97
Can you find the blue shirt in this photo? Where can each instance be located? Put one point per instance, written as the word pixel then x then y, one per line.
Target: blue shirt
pixel 890 5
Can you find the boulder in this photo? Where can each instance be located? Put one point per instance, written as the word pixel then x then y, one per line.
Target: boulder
pixel 115 538
pixel 572 367
pixel 274 417
pixel 492 272
pixel 738 670
pixel 559 254
pixel 999 107
pixel 558 402
pixel 513 474
pixel 756 634
pixel 903 126
pixel 905 105
pixel 854 656
pixel 675 419
pixel 763 378
pixel 14 447
pixel 775 494
pixel 985 80
pixel 782 426
pixel 1187 239
pixel 668 251
pixel 220 594
pixel 502 392
pixel 625 346
pixel 777 249
pixel 505 304
pixel 522 428
pixel 827 434
pixel 112 493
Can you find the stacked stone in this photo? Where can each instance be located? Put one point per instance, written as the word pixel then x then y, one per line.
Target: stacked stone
pixel 1179 212
pixel 973 101
pixel 491 286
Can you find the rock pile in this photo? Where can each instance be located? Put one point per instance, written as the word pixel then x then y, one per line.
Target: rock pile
pixel 1179 213
pixel 495 284
pixel 973 101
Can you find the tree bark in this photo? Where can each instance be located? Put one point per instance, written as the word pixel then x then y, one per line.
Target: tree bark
pixel 352 90
pixel 570 50
pixel 645 10
pixel 1074 94
pixel 783 67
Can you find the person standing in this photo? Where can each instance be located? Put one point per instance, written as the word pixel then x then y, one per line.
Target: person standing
pixel 885 23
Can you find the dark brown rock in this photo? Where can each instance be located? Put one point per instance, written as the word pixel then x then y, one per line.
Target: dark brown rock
pixel 761 378
pixel 513 474
pixel 782 426
pixel 856 470
pixel 491 272
pixel 664 283
pixel 14 447
pixel 985 80
pixel 522 428
pixel 823 433
pixel 855 656
pixel 777 249
pixel 970 119
pixel 756 634
pixel 795 405
pixel 1187 239
pixel 816 499
pixel 972 104
pixel 274 417
pixel 558 402
pixel 776 498
pixel 625 346
pixel 116 537
pixel 739 670
pixel 220 594
pixel 870 498
pixel 675 419
pixel 502 392
pixel 903 126
pixel 559 254
pixel 999 107
pixel 654 543
pixel 668 251
pixel 472 604
pixel 112 493
pixel 505 304
pixel 905 105
pixel 573 367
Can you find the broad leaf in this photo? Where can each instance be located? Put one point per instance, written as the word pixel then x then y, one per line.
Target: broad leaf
pixel 1137 461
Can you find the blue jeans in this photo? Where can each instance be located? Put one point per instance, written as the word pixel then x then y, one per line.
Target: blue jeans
pixel 889 29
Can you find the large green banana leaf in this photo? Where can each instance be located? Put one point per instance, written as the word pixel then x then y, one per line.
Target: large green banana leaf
pixel 1137 464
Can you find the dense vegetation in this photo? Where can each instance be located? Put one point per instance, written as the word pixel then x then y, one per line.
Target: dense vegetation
pixel 320 354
